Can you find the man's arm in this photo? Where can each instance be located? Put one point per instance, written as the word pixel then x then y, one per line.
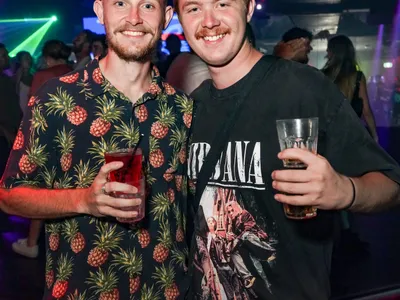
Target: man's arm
pixel 290 49
pixel 374 192
pixel 322 187
pixel 41 203
pixel 50 204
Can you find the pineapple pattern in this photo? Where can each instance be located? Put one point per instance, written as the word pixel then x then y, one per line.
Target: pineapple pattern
pixel 53 231
pixel 73 236
pixel 132 264
pixel 107 113
pixel 165 118
pixel 69 126
pixel 64 272
pixel 104 284
pixel 162 249
pixel 49 271
pixel 165 278
pixel 107 239
pixel 66 144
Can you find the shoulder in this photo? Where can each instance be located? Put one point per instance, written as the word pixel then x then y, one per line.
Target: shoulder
pixel 67 83
pixel 297 73
pixel 203 89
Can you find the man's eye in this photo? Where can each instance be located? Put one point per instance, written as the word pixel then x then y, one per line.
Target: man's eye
pixel 148 6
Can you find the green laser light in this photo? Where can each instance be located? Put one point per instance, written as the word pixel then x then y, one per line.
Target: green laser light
pixel 54 18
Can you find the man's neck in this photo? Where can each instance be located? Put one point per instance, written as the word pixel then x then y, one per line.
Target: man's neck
pixel 133 79
pixel 236 69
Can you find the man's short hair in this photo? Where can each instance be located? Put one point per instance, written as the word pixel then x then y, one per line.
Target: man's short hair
pixel 296 33
pixel 2 46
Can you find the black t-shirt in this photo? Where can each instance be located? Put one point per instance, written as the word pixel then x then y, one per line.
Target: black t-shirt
pixel 244 247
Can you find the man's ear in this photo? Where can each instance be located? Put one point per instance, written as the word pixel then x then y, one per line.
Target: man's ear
pixel 169 13
pixel 250 10
pixel 99 11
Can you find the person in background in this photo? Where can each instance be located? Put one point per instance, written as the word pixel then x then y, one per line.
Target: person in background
pixel 99 46
pixel 187 72
pixel 173 45
pixel 10 113
pixel 82 45
pixel 23 77
pixel 56 54
pixel 342 69
pixel 295 45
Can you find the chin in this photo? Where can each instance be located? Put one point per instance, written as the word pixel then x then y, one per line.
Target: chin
pixel 218 60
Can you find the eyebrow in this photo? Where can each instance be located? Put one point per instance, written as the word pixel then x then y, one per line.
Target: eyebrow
pixel 191 2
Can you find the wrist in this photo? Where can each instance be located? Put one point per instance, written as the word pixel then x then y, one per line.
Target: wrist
pixel 351 193
pixel 80 196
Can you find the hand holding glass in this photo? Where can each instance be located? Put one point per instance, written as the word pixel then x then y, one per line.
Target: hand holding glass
pixel 298 133
pixel 131 173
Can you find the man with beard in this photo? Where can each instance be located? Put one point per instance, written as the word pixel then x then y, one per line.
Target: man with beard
pixel 82 45
pixel 252 91
pixel 118 103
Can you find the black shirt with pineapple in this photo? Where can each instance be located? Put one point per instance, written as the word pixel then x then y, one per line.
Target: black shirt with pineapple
pixel 70 123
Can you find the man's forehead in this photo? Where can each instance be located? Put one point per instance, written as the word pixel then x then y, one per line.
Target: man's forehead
pixel 162 2
pixel 199 2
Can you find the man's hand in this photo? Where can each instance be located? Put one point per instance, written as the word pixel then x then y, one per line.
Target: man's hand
pixel 319 185
pixel 98 203
pixel 290 49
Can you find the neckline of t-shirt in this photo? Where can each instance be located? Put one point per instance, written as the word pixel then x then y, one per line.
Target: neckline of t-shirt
pixel 236 88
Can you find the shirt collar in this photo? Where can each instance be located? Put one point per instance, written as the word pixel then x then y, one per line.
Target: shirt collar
pixel 100 85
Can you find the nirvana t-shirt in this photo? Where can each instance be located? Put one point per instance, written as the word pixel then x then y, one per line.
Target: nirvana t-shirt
pixel 244 247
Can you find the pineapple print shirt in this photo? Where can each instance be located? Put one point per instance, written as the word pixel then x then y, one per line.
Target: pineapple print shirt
pixel 73 121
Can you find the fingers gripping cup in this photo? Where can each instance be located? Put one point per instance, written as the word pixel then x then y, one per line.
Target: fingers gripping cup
pixel 298 133
pixel 131 173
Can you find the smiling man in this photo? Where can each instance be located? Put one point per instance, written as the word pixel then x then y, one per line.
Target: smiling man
pixel 262 254
pixel 72 121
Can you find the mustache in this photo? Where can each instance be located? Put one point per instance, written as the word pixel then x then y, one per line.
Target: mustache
pixel 210 32
pixel 140 28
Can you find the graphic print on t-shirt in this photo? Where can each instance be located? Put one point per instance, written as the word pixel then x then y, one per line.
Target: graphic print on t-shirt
pixel 235 251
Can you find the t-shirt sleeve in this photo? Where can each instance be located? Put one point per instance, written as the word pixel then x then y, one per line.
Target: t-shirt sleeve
pixel 349 147
pixel 32 158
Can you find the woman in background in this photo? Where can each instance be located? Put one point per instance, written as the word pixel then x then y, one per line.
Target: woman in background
pixel 56 55
pixel 342 69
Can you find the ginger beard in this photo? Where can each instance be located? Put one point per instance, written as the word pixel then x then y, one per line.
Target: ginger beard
pixel 133 52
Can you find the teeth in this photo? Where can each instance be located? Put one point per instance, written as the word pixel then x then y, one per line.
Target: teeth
pixel 214 37
pixel 133 33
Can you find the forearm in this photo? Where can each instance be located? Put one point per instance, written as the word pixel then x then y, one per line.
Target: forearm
pixel 41 203
pixel 375 192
